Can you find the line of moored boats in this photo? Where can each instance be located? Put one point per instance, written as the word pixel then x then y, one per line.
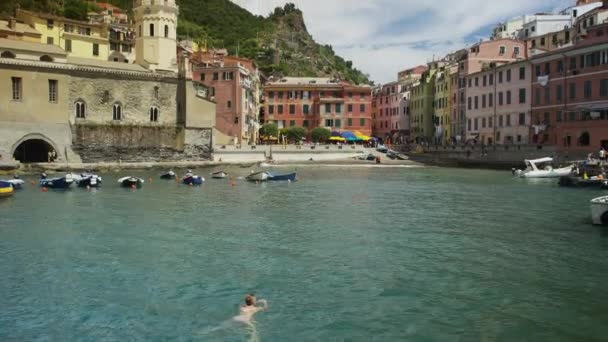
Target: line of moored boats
pixel 91 180
pixel 582 174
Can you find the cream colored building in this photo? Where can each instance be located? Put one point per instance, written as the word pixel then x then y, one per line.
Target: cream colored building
pixel 12 29
pixel 156 42
pixel 78 38
pixel 92 110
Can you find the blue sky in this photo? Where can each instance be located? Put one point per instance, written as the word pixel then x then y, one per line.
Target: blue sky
pixel 382 37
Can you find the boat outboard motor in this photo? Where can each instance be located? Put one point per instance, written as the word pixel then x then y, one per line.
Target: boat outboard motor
pixel 16 177
pixel 43 175
pixel 513 171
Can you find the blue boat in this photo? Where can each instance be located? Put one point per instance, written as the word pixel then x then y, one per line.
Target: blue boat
pixel 88 180
pixel 56 183
pixel 6 189
pixel 193 179
pixel 287 177
pixel 16 182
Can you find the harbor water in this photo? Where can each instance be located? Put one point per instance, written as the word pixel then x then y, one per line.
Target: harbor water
pixel 346 253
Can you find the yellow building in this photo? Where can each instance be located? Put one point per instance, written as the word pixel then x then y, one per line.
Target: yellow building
pixel 78 38
pixel 12 29
pixel 442 105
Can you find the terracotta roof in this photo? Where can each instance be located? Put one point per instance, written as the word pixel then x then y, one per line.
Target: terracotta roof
pixel 20 28
pixel 106 64
pixel 11 44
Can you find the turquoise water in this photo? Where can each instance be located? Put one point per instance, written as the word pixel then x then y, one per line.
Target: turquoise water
pixel 358 254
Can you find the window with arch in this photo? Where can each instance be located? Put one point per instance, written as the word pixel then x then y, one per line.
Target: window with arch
pixel 117 112
pixel 151 30
pixel 166 31
pixel 7 54
pixel 81 109
pixel 46 58
pixel 229 104
pixel 154 114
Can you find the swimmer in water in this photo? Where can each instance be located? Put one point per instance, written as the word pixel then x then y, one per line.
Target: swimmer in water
pixel 247 311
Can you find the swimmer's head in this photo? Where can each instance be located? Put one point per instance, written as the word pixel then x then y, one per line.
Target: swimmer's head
pixel 250 299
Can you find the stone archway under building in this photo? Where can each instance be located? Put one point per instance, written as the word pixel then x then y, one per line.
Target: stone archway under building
pixel 34 148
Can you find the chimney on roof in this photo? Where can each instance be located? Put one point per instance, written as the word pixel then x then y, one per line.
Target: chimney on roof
pixel 12 23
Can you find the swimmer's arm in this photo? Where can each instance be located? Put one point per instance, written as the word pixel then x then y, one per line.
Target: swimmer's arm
pixel 264 304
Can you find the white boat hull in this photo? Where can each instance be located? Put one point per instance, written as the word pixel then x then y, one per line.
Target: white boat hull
pixel 599 208
pixel 555 173
pixel 258 177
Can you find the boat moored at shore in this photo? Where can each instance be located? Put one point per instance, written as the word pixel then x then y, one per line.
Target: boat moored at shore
pixel 219 175
pixel 533 171
pixel 57 182
pixel 193 180
pixel 168 175
pixel 599 210
pixel 88 180
pixel 263 176
pixel 6 189
pixel 16 182
pixel 130 182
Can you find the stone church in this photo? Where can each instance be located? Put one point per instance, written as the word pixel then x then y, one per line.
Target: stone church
pixel 89 110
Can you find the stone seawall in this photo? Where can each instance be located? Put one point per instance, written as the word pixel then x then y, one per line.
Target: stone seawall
pixel 130 143
pixel 288 153
pixel 495 157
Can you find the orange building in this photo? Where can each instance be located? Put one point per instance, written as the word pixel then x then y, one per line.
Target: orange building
pixel 318 102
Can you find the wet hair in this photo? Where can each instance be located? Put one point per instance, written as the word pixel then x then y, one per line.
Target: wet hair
pixel 249 299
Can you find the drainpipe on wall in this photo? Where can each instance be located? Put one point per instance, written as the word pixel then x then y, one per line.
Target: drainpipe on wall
pixel 495 100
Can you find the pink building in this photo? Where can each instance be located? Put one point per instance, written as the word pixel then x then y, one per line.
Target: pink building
pixel 498 104
pixel 387 119
pixel 479 57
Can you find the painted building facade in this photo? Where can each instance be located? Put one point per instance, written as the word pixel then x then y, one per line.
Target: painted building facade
pixel 234 84
pixel 442 104
pixel 477 58
pixel 388 111
pixel 570 95
pixel 95 110
pixel 421 107
pixel 79 39
pixel 12 29
pixel 318 102
pixel 498 105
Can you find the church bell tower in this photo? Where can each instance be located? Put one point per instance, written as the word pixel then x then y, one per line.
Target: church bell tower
pixel 156 28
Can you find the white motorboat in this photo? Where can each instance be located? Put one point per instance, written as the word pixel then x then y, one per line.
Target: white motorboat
pixel 545 170
pixel 599 210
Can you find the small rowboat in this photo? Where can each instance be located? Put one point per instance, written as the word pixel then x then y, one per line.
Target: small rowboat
pixel 261 176
pixel 129 182
pixel 6 189
pixel 194 180
pixel 219 175
pixel 599 210
pixel 168 175
pixel 90 180
pixel 286 177
pixel 16 182
pixel 57 183
pixel 267 176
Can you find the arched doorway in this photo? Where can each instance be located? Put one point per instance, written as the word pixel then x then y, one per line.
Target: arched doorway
pixel 33 151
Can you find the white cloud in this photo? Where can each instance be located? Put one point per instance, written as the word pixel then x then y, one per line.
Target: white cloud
pixel 385 36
